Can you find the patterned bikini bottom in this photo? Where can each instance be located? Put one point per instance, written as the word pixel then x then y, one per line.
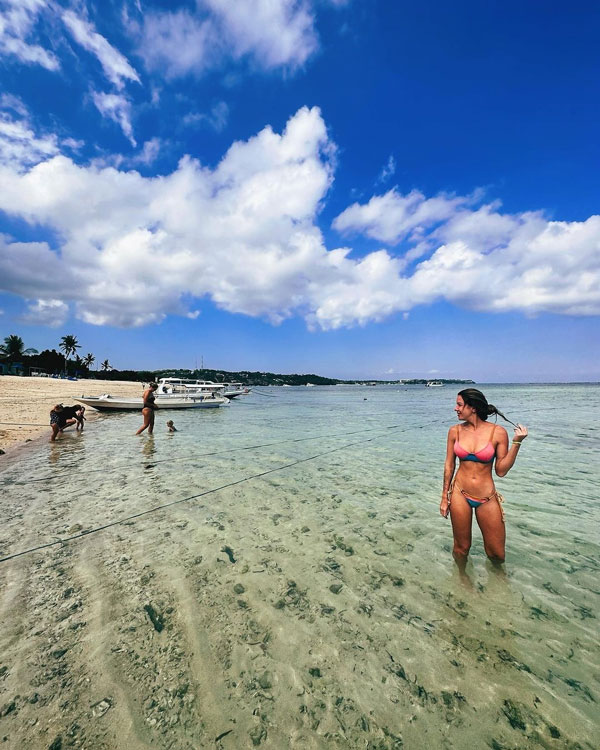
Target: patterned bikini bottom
pixel 477 502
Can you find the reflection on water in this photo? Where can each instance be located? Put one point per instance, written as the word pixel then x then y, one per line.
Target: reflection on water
pixel 148 446
pixel 492 649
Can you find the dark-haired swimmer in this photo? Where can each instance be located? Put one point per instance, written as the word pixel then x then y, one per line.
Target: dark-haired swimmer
pixel 148 409
pixel 476 444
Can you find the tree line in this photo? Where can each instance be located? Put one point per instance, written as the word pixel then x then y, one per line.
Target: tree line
pixel 69 362
pixel 13 351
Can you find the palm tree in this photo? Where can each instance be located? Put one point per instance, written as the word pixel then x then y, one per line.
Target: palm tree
pixel 89 360
pixel 68 345
pixel 13 348
pixel 106 365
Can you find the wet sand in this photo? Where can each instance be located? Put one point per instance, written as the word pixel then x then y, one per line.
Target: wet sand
pixel 25 403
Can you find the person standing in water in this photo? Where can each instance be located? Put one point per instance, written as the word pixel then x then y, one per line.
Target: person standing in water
pixel 148 409
pixel 476 444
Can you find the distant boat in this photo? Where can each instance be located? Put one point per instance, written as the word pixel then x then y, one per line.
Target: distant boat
pixel 434 384
pixel 310 385
pixel 187 387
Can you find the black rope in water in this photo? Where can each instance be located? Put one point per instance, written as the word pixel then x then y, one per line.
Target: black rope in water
pixel 195 456
pixel 105 526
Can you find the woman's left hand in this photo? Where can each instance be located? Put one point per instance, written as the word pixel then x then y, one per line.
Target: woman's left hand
pixel 520 433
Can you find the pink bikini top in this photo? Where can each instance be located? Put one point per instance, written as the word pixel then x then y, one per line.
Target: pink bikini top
pixel 484 456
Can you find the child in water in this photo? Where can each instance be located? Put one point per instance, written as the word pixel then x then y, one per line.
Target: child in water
pixel 170 426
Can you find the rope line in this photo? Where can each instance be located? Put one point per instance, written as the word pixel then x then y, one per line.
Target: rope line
pixel 110 524
pixel 67 469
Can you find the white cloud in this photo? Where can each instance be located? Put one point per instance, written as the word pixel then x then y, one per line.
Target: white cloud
pixel 31 269
pixel 275 33
pixel 244 234
pixel 20 146
pixel 117 108
pixel 216 119
pixel 391 217
pixel 543 266
pixel 115 66
pixel 388 170
pixel 175 44
pixel 149 152
pixel 48 312
pixel 17 22
pixel 272 34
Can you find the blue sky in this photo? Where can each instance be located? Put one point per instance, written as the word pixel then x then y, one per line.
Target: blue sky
pixel 369 190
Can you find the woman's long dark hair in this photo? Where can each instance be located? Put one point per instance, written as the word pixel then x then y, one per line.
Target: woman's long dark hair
pixel 478 401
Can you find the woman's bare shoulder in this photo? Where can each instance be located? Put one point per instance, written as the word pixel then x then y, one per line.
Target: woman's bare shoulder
pixel 453 431
pixel 500 432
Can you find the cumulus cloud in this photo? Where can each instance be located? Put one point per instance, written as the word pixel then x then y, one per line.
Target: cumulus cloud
pixel 17 26
pixel 48 312
pixel 115 66
pixel 244 234
pixel 117 108
pixel 271 34
pixel 31 269
pixel 391 217
pixel 541 266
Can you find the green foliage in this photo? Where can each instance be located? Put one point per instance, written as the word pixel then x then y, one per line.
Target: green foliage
pixel 13 349
pixel 69 345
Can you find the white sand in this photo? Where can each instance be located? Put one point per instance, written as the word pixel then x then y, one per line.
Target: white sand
pixel 25 403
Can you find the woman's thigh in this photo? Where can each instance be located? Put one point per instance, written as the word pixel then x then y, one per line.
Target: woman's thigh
pixel 461 517
pixel 491 523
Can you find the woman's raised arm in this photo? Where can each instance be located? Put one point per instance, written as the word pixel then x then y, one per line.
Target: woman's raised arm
pixel 505 457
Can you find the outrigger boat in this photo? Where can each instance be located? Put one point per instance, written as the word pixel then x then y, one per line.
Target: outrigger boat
pixel 184 386
pixel 106 402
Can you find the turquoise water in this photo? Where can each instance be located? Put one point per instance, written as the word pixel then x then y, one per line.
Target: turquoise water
pixel 353 475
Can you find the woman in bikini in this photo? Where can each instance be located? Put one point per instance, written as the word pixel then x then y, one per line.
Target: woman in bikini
pixel 148 409
pixel 476 444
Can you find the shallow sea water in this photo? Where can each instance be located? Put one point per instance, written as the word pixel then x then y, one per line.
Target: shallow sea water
pixel 495 659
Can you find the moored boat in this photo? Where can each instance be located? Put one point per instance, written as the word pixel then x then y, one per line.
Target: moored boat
pixel 186 386
pixel 434 384
pixel 106 402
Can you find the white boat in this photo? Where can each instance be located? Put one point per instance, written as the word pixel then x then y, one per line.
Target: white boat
pixel 434 384
pixel 186 386
pixel 235 389
pixel 106 402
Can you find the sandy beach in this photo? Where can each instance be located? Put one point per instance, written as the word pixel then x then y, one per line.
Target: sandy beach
pixel 25 404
